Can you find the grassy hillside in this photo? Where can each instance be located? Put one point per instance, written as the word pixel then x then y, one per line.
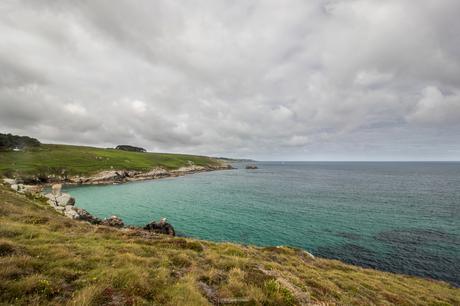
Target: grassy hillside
pixel 72 160
pixel 47 259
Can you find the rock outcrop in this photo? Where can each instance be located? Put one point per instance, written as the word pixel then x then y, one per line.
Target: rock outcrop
pixel 113 221
pixel 121 176
pixel 62 199
pixel 251 167
pixel 62 202
pixel 188 169
pixel 27 189
pixel 161 227
pixel 111 176
pixel 65 204
pixel 152 174
pixel 69 211
pixel 9 181
pixel 84 215
pixel 107 177
pixel 22 188
pixel 56 189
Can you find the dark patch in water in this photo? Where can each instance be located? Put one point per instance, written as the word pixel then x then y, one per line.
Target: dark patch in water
pixel 416 237
pixel 348 235
pixel 407 251
pixel 412 252
pixel 420 262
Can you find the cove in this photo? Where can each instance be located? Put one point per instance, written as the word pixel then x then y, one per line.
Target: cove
pixel 394 216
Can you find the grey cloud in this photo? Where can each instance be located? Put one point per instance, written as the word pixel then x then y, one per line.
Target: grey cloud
pixel 435 108
pixel 277 80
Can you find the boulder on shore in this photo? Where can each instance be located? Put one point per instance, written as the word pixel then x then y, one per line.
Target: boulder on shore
pixel 65 199
pixel 161 227
pixel 84 215
pixel 21 188
pixel 110 176
pixel 70 212
pixel 33 189
pixel 62 200
pixel 9 181
pixel 154 173
pixel 56 189
pixel 113 221
pixel 188 169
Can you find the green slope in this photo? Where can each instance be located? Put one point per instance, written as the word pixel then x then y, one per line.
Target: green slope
pixel 72 160
pixel 47 259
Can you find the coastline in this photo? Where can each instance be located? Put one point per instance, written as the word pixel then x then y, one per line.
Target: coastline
pixel 64 203
pixel 108 177
pixel 65 262
pixel 124 176
pixel 95 180
pixel 298 205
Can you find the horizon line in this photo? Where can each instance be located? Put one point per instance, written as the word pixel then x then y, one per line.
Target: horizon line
pixel 355 161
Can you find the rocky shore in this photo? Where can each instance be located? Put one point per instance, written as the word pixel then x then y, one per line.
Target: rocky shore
pixel 65 204
pixel 113 176
pixel 123 176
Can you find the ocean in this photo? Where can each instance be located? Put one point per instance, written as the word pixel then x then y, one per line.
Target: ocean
pixel 401 217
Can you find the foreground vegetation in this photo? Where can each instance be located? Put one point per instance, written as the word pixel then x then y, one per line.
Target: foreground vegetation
pixel 47 259
pixel 48 159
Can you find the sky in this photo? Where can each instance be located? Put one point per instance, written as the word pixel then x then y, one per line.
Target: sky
pixel 269 80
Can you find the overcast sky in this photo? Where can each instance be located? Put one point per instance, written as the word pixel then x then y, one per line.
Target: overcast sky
pixel 274 80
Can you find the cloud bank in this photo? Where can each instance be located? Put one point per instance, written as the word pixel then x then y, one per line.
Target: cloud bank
pixel 279 80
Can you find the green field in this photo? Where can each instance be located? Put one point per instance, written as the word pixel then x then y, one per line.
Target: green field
pixel 48 259
pixel 77 160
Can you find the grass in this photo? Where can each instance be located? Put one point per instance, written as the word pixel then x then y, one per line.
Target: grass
pixel 47 259
pixel 77 160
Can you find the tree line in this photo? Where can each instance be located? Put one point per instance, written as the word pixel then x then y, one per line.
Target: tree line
pixel 10 142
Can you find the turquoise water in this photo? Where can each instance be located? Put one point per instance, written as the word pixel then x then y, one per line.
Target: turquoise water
pixel 400 217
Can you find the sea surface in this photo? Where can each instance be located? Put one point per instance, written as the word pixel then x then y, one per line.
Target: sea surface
pixel 395 216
